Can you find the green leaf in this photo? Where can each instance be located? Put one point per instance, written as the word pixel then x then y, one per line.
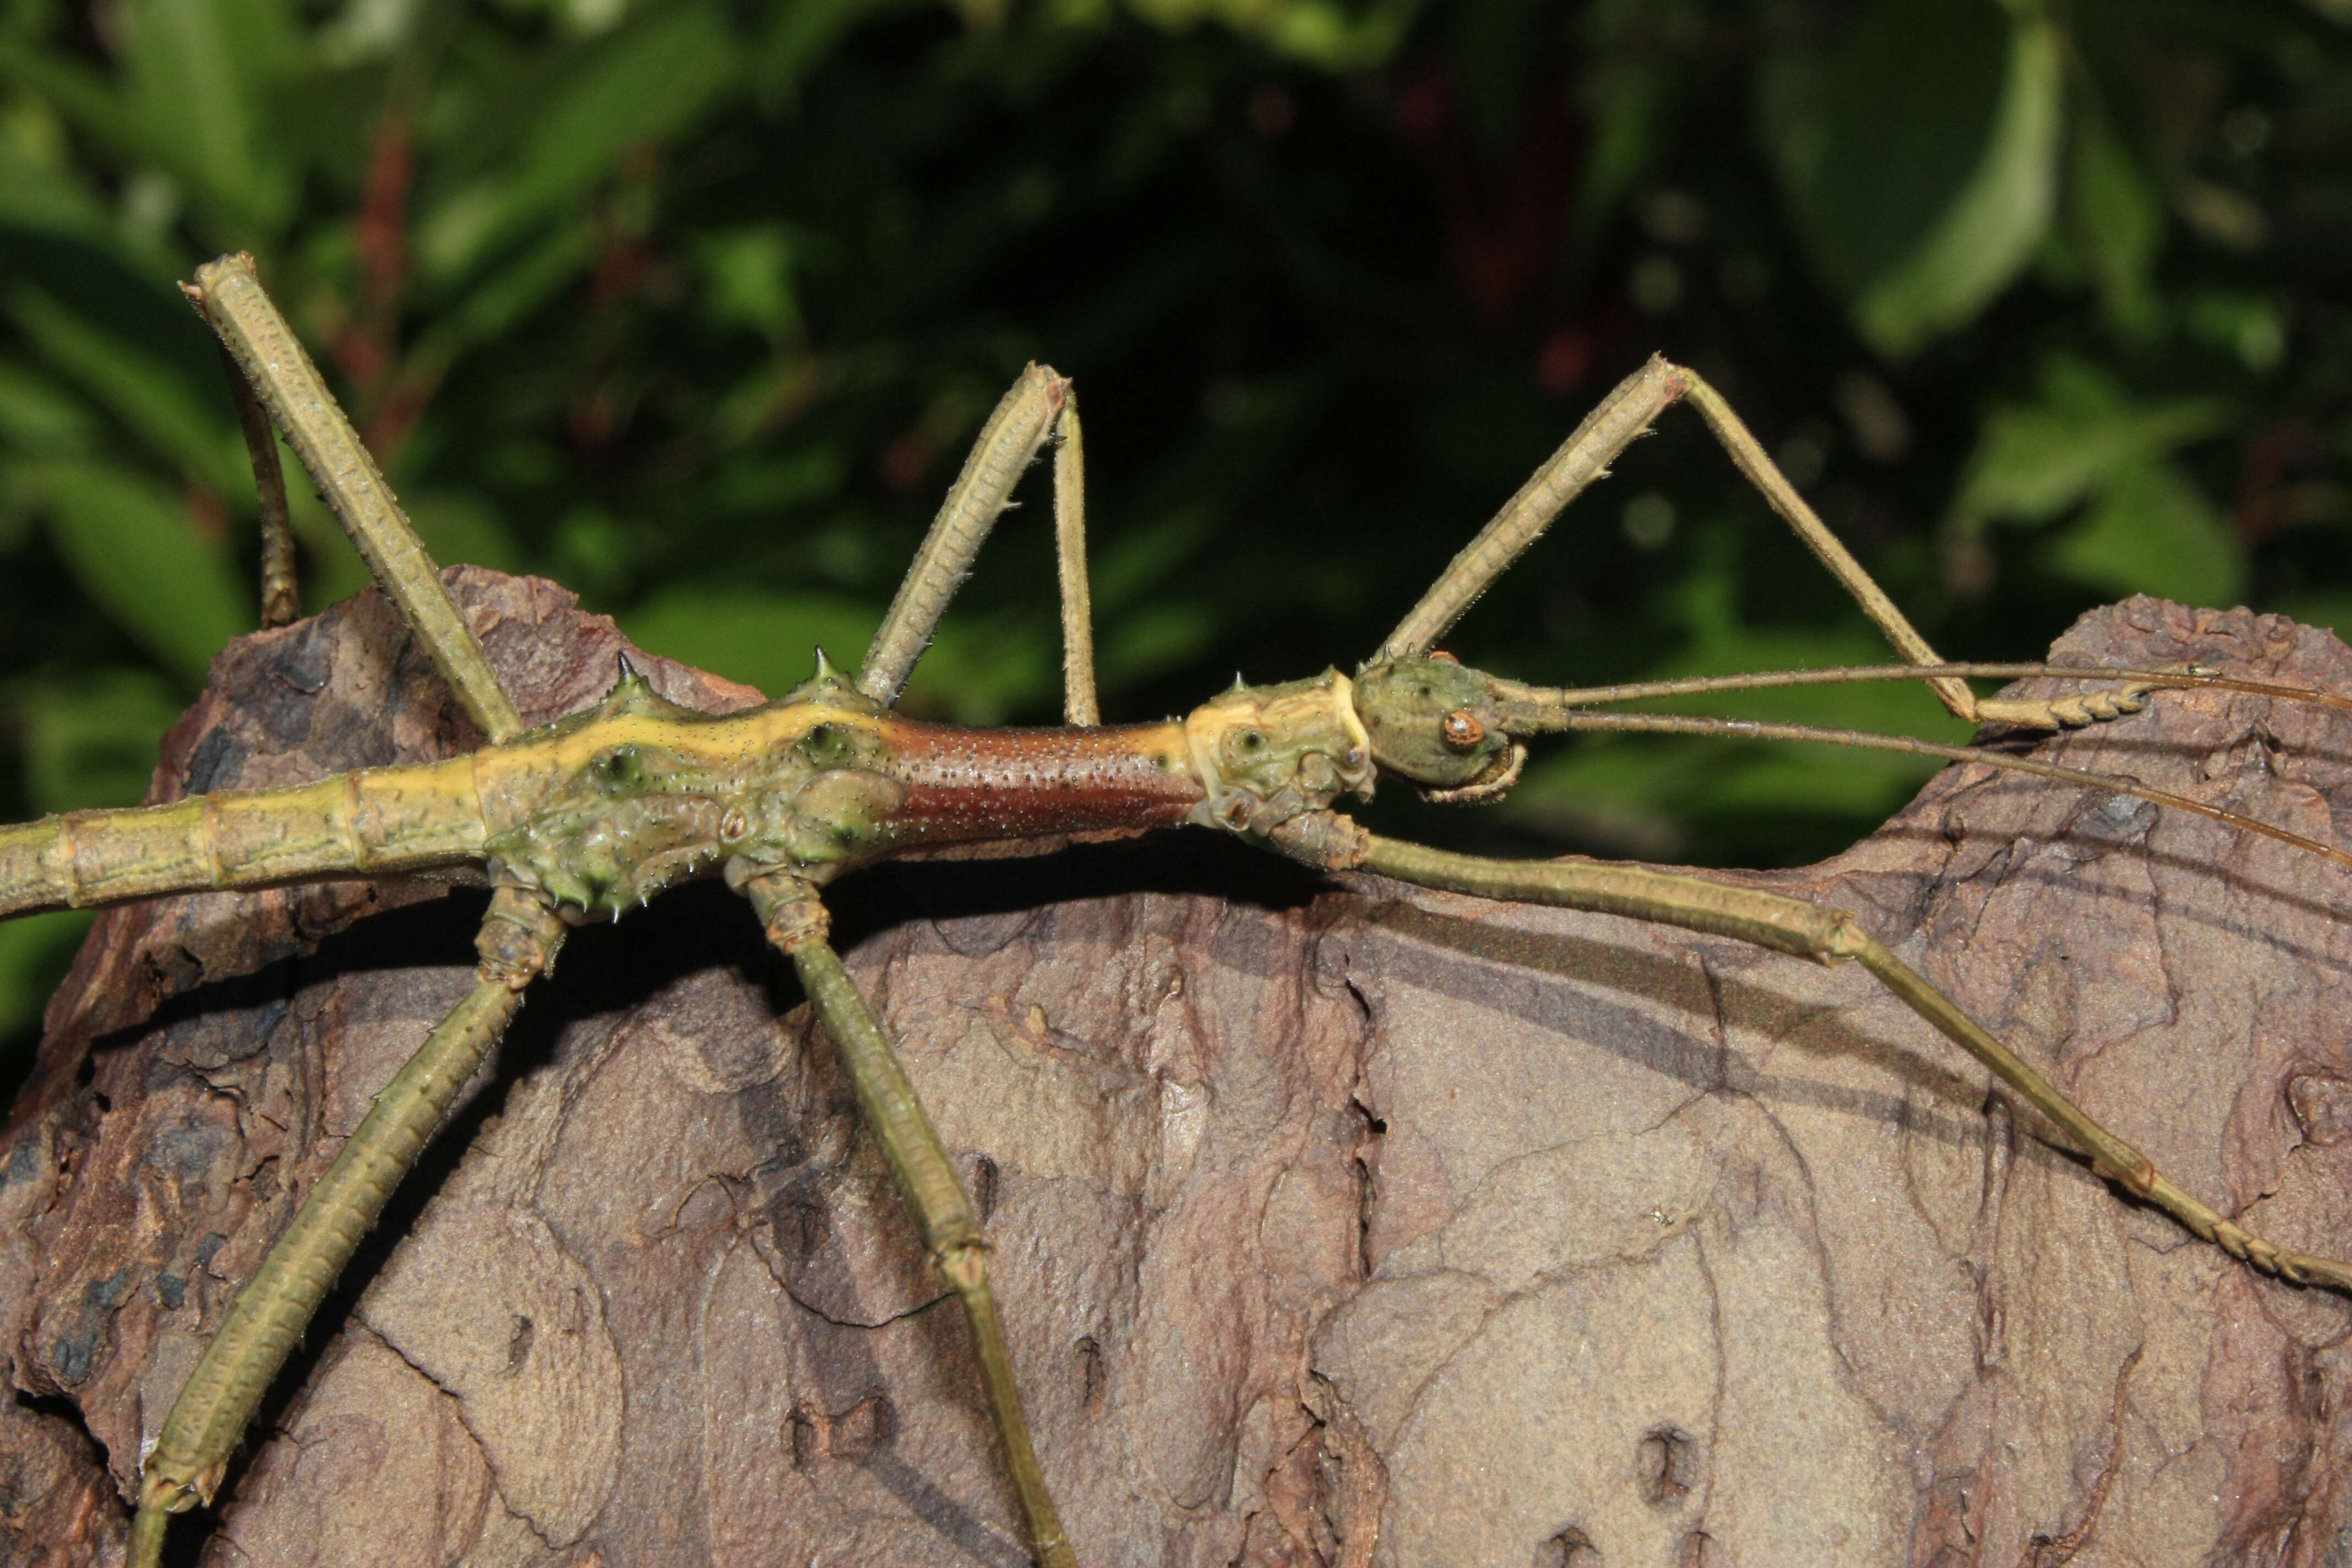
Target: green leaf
pixel 2116 223
pixel 748 279
pixel 185 425
pixel 974 675
pixel 129 543
pixel 763 640
pixel 459 525
pixel 1874 142
pixel 510 292
pixel 37 416
pixel 637 87
pixel 1991 228
pixel 2153 531
pixel 1323 33
pixel 35 953
pixel 82 95
pixel 2250 326
pixel 48 198
pixel 198 71
pixel 91 741
pixel 1628 107
pixel 2034 461
pixel 802 36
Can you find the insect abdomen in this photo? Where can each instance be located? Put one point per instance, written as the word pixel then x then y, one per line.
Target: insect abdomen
pixel 377 820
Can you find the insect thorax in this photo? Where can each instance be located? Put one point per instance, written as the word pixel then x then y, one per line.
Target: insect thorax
pixel 1267 753
pixel 649 793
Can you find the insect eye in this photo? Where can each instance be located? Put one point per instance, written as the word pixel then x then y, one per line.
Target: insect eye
pixel 1462 729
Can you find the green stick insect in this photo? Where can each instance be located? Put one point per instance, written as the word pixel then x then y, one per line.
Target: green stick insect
pixel 580 820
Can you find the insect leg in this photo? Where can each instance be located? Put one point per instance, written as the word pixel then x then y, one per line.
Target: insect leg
pixel 228 294
pixel 1080 704
pixel 282 601
pixel 1608 430
pixel 796 924
pixel 1023 421
pixel 1792 926
pixel 1583 457
pixel 517 942
pixel 1750 457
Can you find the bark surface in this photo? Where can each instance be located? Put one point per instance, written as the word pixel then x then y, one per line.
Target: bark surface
pixel 1335 1222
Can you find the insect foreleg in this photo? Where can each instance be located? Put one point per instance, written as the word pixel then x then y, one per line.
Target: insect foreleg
pixel 1584 457
pixel 1793 926
pixel 1623 417
pixel 796 923
pixel 1038 407
pixel 228 295
pixel 518 940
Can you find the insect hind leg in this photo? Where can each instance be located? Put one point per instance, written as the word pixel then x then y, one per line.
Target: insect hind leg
pixel 227 293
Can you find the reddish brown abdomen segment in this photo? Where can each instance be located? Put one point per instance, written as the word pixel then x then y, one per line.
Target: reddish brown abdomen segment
pixel 1018 783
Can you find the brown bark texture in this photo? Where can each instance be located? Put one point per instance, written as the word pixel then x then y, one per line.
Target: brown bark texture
pixel 1337 1221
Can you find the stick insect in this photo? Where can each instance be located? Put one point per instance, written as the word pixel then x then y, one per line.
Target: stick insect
pixel 583 818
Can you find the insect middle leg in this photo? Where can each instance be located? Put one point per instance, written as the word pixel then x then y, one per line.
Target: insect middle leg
pixel 796 924
pixel 1039 407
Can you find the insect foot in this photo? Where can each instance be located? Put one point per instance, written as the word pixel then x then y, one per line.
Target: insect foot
pixel 2075 712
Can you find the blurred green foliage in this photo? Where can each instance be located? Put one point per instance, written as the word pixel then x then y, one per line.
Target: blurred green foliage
pixel 693 306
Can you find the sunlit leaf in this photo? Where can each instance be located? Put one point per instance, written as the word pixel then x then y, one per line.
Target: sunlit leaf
pixel 634 87
pixel 199 71
pixel 1920 159
pixel 33 195
pixel 2153 531
pixel 1990 229
pixel 1876 141
pixel 2034 461
pixel 37 416
pixel 1326 33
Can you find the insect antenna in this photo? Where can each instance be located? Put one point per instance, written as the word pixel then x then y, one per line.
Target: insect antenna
pixel 1539 702
pixel 1866 740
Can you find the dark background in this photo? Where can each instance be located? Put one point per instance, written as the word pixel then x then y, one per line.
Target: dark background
pixel 695 307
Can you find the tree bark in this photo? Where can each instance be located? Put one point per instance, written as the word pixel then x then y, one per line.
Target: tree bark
pixel 1336 1222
